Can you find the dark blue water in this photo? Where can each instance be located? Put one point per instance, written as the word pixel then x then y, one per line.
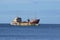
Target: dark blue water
pixel 41 32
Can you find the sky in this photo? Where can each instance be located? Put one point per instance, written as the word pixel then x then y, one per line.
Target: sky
pixel 48 11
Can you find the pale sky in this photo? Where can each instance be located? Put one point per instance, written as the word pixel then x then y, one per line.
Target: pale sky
pixel 48 11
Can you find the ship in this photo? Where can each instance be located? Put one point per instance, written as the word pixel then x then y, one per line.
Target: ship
pixel 18 21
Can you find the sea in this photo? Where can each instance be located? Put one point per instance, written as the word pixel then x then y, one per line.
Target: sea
pixel 40 32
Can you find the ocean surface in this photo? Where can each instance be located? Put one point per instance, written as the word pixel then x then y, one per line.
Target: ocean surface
pixel 41 32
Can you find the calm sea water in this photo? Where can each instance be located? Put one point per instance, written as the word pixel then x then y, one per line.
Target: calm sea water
pixel 41 32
